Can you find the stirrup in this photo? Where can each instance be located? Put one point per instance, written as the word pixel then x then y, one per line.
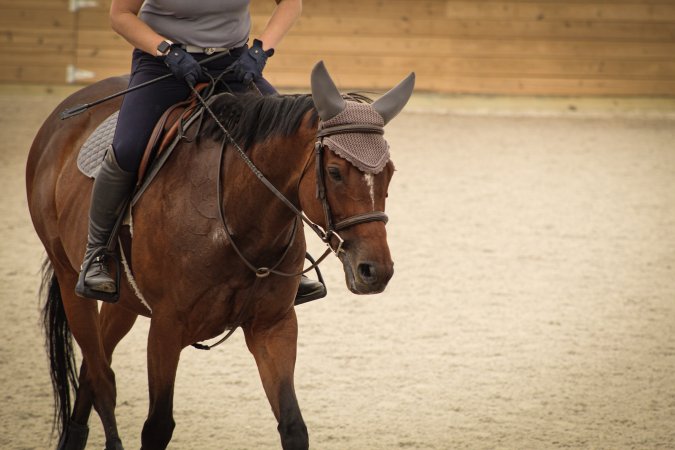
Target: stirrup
pixel 319 293
pixel 81 288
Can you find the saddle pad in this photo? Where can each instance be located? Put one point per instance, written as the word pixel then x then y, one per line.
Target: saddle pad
pixel 95 147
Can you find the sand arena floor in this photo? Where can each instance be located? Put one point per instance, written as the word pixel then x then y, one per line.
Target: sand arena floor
pixel 533 304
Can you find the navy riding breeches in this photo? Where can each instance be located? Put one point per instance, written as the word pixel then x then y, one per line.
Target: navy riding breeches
pixel 141 109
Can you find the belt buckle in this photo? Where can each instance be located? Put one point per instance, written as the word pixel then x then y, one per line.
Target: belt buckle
pixel 209 50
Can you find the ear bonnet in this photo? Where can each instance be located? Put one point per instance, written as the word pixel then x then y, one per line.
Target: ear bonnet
pixel 369 152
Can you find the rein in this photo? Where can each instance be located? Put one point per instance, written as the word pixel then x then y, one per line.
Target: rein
pixel 331 230
pixel 325 235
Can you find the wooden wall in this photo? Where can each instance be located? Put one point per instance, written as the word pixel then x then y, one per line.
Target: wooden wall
pixel 553 47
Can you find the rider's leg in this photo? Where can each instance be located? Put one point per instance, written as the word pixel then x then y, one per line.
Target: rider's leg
pixel 112 187
pixel 115 182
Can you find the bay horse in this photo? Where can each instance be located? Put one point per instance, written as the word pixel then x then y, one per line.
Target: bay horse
pixel 197 229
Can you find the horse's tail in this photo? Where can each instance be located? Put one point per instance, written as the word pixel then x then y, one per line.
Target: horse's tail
pixel 59 346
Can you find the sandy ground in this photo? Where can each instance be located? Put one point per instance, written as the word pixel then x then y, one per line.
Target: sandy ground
pixel 532 305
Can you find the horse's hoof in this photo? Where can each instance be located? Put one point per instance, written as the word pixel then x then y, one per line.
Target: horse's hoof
pixel 114 444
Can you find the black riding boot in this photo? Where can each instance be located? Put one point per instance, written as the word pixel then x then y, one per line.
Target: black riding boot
pixel 112 188
pixel 309 290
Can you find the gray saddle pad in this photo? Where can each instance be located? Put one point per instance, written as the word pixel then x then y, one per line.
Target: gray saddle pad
pixel 97 144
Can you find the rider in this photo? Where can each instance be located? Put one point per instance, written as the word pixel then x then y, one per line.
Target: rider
pixel 171 36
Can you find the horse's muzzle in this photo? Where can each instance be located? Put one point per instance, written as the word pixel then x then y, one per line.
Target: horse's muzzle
pixel 366 275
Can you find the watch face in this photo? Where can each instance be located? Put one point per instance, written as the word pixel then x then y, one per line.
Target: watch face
pixel 163 47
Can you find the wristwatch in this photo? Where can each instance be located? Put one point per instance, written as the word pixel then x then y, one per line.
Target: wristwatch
pixel 164 47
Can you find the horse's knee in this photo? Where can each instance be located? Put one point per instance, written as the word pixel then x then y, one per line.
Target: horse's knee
pixel 157 433
pixel 293 435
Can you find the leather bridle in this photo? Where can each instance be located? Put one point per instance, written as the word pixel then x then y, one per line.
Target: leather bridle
pixel 319 150
pixel 332 228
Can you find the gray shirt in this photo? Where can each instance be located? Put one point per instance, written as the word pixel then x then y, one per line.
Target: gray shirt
pixel 204 23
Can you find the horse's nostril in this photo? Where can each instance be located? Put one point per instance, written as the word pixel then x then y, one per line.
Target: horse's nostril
pixel 367 272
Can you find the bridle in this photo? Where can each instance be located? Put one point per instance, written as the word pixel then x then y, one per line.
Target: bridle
pixel 327 235
pixel 331 227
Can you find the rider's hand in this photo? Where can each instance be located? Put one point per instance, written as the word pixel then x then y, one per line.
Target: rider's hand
pixel 251 63
pixel 183 65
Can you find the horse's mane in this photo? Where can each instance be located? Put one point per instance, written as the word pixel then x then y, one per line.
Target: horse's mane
pixel 251 118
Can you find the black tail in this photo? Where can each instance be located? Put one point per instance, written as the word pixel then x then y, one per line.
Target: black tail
pixel 59 344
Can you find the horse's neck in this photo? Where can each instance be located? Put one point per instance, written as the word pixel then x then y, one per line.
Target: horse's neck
pixel 251 208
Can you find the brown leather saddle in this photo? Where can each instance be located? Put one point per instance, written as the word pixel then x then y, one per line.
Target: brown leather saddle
pixel 175 122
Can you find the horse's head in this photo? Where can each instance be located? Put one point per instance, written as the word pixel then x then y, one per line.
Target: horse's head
pixel 346 192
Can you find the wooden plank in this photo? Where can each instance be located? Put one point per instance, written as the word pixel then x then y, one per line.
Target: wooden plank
pixel 537 10
pixel 40 59
pixel 94 19
pixel 105 39
pixel 342 25
pixel 546 10
pixel 440 47
pixel 372 8
pixel 36 18
pixel 505 86
pixel 34 4
pixel 600 68
pixel 590 69
pixel 97 17
pixel 463 28
pixel 12 73
pixel 37 38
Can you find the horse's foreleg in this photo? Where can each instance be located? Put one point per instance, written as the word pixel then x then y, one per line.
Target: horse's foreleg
pixel 164 347
pixel 115 324
pixel 274 350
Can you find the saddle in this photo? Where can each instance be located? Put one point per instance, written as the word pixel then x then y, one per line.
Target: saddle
pixel 173 124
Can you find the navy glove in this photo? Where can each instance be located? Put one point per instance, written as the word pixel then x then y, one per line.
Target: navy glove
pixel 251 63
pixel 183 65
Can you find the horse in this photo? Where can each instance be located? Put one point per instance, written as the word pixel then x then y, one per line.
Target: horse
pixel 230 200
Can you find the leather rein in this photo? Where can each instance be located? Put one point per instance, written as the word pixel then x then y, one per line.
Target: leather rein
pixel 332 228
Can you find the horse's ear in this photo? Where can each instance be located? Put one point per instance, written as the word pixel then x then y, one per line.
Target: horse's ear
pixel 391 103
pixel 327 99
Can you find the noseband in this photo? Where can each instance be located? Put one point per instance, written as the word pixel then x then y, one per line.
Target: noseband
pixel 331 227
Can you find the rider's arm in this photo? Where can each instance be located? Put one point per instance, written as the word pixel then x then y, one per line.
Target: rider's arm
pixel 282 19
pixel 125 22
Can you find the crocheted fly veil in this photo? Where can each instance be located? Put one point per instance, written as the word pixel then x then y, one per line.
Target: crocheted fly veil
pixel 368 151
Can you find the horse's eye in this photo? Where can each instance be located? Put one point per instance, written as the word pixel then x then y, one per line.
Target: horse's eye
pixel 334 173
